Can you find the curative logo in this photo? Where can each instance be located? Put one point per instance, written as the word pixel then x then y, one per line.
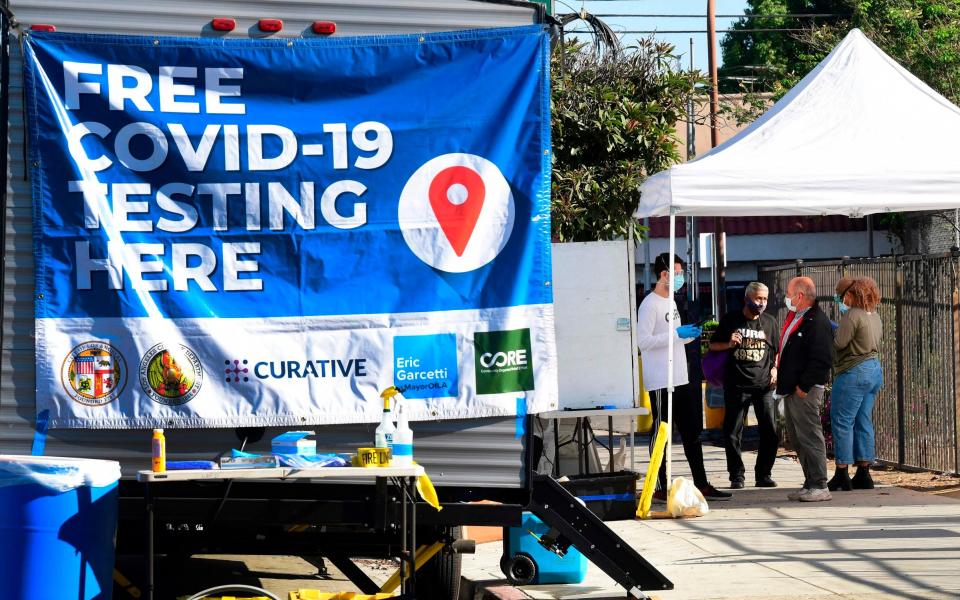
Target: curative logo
pixel 456 212
pixel 236 371
pixel 94 374
pixel 503 360
pixel 425 366
pixel 171 374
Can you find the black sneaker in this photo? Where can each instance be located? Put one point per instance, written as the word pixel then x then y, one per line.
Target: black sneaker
pixel 766 482
pixel 713 493
pixel 736 484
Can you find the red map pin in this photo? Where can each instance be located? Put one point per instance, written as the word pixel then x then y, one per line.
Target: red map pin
pixel 456 196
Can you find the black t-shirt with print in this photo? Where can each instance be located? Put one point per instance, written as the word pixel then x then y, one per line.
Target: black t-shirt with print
pixel 749 364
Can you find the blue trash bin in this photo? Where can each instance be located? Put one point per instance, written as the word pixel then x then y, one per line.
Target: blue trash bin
pixel 58 523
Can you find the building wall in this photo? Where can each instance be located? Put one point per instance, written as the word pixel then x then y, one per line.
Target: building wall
pixel 745 253
pixel 931 233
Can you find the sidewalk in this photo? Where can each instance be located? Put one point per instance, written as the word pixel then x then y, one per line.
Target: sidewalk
pixel 866 544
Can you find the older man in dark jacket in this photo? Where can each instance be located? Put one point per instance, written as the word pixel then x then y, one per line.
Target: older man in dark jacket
pixel 805 359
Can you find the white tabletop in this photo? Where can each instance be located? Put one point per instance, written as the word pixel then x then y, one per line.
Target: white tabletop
pixel 281 473
pixel 594 412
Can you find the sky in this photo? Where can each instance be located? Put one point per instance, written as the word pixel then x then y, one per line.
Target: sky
pixel 601 8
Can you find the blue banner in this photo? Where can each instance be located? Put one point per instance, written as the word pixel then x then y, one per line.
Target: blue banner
pixel 193 196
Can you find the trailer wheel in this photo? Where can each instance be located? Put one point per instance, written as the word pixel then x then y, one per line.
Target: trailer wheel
pixel 440 577
pixel 520 569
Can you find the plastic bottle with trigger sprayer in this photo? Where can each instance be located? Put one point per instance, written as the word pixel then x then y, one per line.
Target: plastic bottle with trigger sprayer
pixel 402 441
pixel 383 437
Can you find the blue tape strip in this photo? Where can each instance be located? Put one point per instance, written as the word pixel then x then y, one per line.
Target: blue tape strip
pixel 624 497
pixel 521 416
pixel 40 433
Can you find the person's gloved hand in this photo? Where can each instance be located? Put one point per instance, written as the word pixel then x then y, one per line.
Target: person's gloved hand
pixel 834 324
pixel 688 331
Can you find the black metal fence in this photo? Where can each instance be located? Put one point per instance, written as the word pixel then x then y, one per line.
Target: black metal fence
pixel 916 414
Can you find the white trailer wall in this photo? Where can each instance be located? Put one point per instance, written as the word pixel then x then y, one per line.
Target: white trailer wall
pixel 454 451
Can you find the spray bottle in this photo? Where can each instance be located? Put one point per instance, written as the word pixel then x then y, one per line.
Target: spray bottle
pixel 402 441
pixel 384 434
pixel 159 451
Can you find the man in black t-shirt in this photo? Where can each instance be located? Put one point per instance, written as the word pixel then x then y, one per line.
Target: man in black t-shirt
pixel 751 338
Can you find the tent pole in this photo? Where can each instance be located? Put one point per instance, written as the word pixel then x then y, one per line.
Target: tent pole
pixel 670 343
pixel 647 282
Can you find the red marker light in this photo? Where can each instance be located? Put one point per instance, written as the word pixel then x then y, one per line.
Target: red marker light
pixel 42 27
pixel 324 27
pixel 270 25
pixel 223 24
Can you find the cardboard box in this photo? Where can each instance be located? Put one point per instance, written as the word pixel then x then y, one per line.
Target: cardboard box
pixel 295 442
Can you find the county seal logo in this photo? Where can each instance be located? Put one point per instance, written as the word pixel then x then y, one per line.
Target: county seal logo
pixel 171 374
pixel 94 373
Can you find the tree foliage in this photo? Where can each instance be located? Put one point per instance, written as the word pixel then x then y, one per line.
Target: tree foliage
pixel 922 35
pixel 614 123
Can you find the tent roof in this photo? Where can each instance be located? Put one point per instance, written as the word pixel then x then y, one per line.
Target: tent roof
pixel 858 135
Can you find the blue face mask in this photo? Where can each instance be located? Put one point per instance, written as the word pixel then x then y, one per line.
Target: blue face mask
pixel 837 299
pixel 843 308
pixel 678 282
pixel 755 308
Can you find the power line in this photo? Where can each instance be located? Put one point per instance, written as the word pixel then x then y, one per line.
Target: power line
pixel 779 16
pixel 657 31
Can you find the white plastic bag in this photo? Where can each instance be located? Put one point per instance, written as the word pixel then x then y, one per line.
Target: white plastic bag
pixel 685 500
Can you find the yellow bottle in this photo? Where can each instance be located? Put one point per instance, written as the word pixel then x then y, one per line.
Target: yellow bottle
pixel 159 451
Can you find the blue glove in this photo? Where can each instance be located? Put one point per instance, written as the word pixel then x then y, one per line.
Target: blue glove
pixel 688 331
pixel 834 324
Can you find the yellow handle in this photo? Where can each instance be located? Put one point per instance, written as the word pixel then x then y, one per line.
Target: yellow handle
pixel 424 554
pixel 650 481
pixel 388 395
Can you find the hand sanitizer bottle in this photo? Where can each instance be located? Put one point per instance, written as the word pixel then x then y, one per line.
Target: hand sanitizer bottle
pixel 402 441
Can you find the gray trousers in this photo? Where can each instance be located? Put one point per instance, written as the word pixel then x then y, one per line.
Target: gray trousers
pixel 806 432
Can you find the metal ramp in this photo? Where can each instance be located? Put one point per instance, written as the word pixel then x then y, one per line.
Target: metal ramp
pixel 573 524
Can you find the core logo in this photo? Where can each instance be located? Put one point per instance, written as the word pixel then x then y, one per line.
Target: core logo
pixel 513 358
pixel 93 374
pixel 503 361
pixel 456 212
pixel 171 374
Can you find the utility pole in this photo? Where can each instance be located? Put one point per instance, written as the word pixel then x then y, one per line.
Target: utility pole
pixel 718 239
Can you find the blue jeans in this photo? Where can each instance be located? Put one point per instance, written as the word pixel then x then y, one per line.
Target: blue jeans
pixel 851 412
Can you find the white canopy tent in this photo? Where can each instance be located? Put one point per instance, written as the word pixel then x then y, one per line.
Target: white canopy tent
pixel 858 135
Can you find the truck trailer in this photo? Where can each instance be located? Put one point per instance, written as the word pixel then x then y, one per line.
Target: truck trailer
pixel 470 460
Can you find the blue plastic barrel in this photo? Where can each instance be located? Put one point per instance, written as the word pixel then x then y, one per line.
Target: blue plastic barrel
pixel 58 522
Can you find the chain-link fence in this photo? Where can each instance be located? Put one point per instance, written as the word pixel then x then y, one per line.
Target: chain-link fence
pixel 917 410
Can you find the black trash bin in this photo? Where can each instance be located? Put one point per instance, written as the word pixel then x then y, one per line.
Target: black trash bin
pixel 610 496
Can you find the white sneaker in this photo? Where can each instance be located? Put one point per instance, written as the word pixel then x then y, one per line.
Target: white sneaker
pixel 796 495
pixel 816 495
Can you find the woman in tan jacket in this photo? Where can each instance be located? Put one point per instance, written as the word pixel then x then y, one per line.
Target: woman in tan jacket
pixel 857 378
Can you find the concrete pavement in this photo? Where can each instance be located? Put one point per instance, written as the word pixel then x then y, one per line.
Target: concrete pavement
pixel 884 543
